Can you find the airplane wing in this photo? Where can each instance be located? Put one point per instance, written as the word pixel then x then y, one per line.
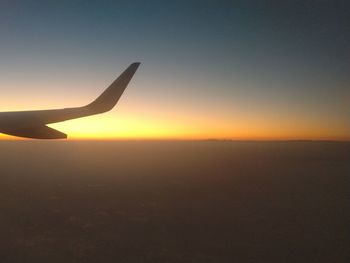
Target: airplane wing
pixel 32 124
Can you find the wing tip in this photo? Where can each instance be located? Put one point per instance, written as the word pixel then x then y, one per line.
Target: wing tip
pixel 109 98
pixel 135 64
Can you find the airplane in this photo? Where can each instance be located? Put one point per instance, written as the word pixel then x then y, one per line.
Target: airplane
pixel 32 124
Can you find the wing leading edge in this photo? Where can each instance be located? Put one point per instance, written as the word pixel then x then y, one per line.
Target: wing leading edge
pixel 32 124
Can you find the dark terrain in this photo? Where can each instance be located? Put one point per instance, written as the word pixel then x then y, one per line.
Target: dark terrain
pixel 207 201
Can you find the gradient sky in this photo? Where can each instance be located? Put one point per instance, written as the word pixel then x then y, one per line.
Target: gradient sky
pixel 210 69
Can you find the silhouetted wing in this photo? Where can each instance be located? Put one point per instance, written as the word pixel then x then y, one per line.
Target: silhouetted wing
pixel 38 132
pixel 31 124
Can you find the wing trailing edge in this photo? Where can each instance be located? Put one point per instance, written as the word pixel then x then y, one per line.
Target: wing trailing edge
pixel 38 132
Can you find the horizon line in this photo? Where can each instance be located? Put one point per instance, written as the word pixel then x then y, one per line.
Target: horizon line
pixel 178 140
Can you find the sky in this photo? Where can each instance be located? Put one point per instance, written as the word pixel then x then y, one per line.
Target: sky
pixel 250 70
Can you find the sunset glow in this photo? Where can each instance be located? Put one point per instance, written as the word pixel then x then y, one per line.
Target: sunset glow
pixel 218 76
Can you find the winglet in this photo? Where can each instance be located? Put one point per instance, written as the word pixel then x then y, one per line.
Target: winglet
pixel 109 98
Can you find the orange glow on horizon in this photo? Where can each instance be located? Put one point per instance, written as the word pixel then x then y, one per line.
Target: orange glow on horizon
pixel 128 127
pixel 136 118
